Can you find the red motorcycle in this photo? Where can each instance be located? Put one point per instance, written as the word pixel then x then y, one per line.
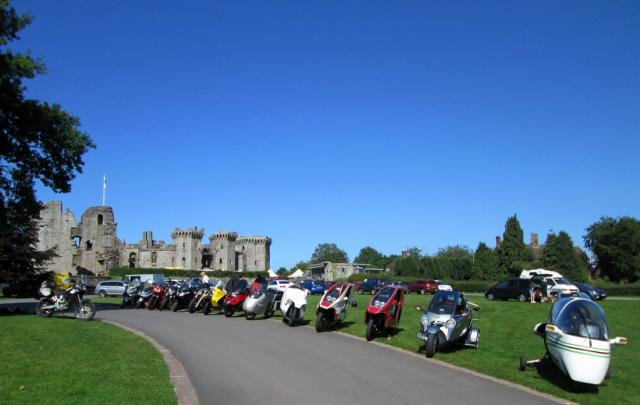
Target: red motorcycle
pixel 384 311
pixel 157 295
pixel 237 291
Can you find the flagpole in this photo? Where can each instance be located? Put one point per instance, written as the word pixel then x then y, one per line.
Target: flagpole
pixel 104 188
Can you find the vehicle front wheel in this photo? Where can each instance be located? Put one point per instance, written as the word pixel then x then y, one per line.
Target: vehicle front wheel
pixel 152 303
pixel 294 315
pixel 86 311
pixel 269 313
pixel 249 315
pixel 522 298
pixel 192 306
pixel 491 297
pixel 228 312
pixel 139 304
pixel 103 294
pixel 523 362
pixel 174 306
pixel 319 322
pixel 432 346
pixel 207 308
pixel 371 330
pixel 45 313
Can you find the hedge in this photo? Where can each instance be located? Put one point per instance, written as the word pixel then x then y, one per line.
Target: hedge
pixel 121 271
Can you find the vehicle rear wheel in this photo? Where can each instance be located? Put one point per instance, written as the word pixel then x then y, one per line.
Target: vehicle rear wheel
pixel 249 315
pixel 86 310
pixel 294 315
pixel 152 303
pixel 174 306
pixel 269 313
pixel 371 330
pixel 163 304
pixel 320 322
pixel 103 294
pixel 45 313
pixel 228 311
pixel 192 306
pixel 523 362
pixel 522 298
pixel 432 346
pixel 491 297
pixel 139 304
pixel 207 308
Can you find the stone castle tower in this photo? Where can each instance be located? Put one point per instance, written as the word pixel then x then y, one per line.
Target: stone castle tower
pixel 223 248
pixel 95 236
pixel 188 247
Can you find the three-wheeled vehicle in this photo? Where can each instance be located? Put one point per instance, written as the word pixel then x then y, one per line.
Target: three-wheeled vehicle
pixel 384 311
pixel 261 300
pixel 448 320
pixel 237 292
pixel 576 340
pixel 217 299
pixel 332 308
pixel 293 304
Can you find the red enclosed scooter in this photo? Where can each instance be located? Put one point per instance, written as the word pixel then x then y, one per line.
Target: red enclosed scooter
pixel 332 308
pixel 237 291
pixel 384 311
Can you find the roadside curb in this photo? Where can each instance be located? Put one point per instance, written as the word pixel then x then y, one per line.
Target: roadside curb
pixel 185 393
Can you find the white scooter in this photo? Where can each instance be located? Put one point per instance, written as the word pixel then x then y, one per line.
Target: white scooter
pixel 293 304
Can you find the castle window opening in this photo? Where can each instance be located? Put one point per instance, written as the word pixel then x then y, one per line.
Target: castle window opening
pixel 255 262
pixel 242 247
pixel 76 241
pixel 220 261
pixel 89 246
pixel 183 245
pixel 100 219
pixel 154 257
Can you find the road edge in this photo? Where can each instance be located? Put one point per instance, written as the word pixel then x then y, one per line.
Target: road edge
pixel 182 386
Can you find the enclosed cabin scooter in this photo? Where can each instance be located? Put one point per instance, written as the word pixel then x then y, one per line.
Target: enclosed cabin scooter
pixel 261 300
pixel 448 320
pixel 577 341
pixel 237 292
pixel 332 308
pixel 384 311
pixel 293 304
pixel 217 299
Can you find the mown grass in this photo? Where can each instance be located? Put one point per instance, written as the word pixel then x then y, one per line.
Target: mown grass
pixel 506 332
pixel 62 360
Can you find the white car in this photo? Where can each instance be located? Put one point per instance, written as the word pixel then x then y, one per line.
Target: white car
pixel 442 286
pixel 278 285
pixel 559 285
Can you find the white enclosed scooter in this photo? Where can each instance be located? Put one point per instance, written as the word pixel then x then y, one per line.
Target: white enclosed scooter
pixel 293 304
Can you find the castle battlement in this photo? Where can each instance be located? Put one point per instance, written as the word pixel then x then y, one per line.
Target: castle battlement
pixel 224 235
pixel 255 240
pixel 194 233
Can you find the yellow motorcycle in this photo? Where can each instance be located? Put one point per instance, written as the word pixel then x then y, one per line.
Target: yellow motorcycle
pixel 217 299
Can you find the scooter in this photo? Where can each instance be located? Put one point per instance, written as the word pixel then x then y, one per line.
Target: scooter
pixel 238 291
pixel 131 293
pixel 217 299
pixel 384 311
pixel 202 296
pixel 332 308
pixel 293 304
pixel 260 301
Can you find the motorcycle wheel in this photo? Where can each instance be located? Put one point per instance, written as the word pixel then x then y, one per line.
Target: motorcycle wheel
pixel 491 297
pixel 139 304
pixel 192 306
pixel 249 315
pixel 174 306
pixel 522 298
pixel 320 322
pixel 371 330
pixel 207 308
pixel 269 313
pixel 228 311
pixel 294 315
pixel 45 313
pixel 85 311
pixel 432 346
pixel 152 303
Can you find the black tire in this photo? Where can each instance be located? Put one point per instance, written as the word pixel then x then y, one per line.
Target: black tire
pixel 523 362
pixel 491 297
pixel 229 311
pixel 432 346
pixel 371 330
pixel 269 313
pixel 207 308
pixel 139 304
pixel 192 306
pixel 249 315
pixel 163 304
pixel 320 322
pixel 422 292
pixel 103 294
pixel 522 298
pixel 86 310
pixel 174 305
pixel 294 315
pixel 152 303
pixel 45 313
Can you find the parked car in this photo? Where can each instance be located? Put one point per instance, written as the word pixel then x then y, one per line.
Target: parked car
pixel 514 288
pixel 314 286
pixel 400 284
pixel 423 287
pixel 442 286
pixel 557 285
pixel 372 285
pixel 111 287
pixel 278 285
pixel 594 293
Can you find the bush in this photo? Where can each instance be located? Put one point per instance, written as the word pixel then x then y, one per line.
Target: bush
pixel 121 271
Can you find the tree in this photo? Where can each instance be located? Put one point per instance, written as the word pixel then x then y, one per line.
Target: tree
pixel 329 252
pixel 300 265
pixel 369 255
pixel 407 266
pixel 560 255
pixel 282 271
pixel 38 142
pixel 512 252
pixel 615 244
pixel 486 264
pixel 456 261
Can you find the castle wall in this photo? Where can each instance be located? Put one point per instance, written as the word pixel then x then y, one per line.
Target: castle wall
pixel 54 230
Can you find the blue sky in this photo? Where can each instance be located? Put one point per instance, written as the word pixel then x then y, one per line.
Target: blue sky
pixel 365 123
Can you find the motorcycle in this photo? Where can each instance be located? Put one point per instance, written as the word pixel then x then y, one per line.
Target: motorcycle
pixel 237 292
pixel 144 296
pixel 384 311
pixel 202 296
pixel 185 294
pixel 169 295
pixel 261 300
pixel 293 304
pixel 157 295
pixel 332 308
pixel 72 298
pixel 448 320
pixel 131 293
pixel 217 299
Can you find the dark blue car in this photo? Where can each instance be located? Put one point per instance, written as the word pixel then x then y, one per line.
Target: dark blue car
pixel 314 286
pixel 594 293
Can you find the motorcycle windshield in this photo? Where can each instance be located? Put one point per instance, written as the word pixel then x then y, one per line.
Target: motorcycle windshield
pixel 236 285
pixel 584 318
pixel 443 303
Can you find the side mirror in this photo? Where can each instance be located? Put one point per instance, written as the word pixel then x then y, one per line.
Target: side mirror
pixel 619 341
pixel 418 308
pixel 345 299
pixel 554 330
pixel 539 329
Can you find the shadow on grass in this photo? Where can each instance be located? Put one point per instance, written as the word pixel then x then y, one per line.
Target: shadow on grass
pixel 552 373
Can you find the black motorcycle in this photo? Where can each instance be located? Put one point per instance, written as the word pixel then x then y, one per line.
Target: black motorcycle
pixel 200 298
pixel 170 295
pixel 185 294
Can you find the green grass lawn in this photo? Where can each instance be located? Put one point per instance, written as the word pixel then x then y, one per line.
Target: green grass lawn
pixel 62 360
pixel 506 332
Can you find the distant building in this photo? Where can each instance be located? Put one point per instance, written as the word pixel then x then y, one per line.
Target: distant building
pixel 332 271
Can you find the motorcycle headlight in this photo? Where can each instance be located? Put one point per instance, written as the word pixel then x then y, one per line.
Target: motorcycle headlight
pixel 450 324
pixel 233 294
pixel 182 294
pixel 424 321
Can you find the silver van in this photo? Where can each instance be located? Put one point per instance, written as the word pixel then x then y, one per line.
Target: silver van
pixel 110 287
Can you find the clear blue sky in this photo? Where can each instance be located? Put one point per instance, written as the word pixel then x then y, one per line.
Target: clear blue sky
pixel 388 124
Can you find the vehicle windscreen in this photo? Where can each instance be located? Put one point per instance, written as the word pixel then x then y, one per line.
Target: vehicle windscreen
pixel 334 293
pixel 583 318
pixel 442 304
pixel 258 288
pixel 236 285
pixel 383 296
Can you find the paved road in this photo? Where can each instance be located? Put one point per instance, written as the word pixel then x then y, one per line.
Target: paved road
pixel 266 362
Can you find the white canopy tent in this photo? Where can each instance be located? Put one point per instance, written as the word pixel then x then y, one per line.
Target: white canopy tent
pixel 297 274
pixel 272 273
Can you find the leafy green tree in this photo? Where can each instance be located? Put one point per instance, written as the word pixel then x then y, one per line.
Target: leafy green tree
pixel 407 266
pixel 486 264
pixel 369 255
pixel 560 255
pixel 329 252
pixel 38 142
pixel 456 261
pixel 282 271
pixel 300 265
pixel 615 244
pixel 512 252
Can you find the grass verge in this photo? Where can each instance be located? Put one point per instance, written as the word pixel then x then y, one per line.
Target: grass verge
pixel 506 332
pixel 62 360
